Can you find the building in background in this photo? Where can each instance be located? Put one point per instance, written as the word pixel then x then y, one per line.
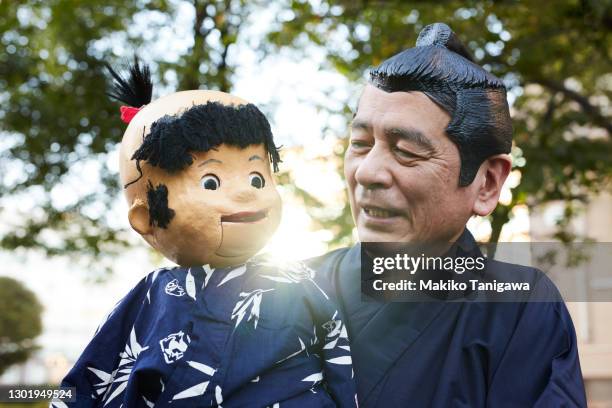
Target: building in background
pixel 592 320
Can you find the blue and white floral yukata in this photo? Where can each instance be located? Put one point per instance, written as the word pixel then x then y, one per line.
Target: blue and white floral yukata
pixel 256 335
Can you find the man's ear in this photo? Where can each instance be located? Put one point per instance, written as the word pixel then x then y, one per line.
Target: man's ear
pixel 138 215
pixel 491 177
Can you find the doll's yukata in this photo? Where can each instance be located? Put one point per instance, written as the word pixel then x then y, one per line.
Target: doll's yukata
pixel 255 335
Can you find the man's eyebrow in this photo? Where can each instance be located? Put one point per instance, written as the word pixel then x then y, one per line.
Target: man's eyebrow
pixel 411 135
pixel 255 157
pixel 361 124
pixel 209 161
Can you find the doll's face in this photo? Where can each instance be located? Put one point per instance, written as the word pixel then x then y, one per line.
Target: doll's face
pixel 225 206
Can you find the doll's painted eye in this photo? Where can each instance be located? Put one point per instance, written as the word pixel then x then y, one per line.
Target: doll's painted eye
pixel 257 180
pixel 210 182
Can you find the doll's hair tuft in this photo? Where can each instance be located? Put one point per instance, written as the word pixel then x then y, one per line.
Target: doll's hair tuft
pixel 134 88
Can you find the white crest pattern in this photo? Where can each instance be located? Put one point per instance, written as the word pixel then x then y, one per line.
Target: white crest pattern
pixel 174 346
pixel 174 289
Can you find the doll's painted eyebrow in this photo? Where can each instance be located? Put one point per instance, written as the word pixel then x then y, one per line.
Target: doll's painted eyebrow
pixel 255 157
pixel 209 161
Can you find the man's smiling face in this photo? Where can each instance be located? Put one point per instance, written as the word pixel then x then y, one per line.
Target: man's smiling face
pixel 226 207
pixel 402 170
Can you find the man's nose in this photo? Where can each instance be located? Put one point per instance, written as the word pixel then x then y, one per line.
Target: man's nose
pixel 373 172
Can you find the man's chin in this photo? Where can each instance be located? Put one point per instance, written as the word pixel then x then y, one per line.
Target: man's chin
pixel 371 235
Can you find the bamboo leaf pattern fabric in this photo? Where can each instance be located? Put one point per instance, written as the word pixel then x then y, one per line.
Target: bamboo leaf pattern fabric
pixel 258 335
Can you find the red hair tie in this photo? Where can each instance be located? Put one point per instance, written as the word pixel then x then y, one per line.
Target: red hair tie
pixel 128 113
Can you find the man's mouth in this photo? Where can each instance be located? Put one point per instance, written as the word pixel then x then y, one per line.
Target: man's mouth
pixel 245 216
pixel 380 213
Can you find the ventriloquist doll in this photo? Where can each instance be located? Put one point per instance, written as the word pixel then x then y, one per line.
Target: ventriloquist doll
pixel 223 328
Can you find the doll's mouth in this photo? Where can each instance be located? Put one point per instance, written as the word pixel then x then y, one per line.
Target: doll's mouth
pixel 245 216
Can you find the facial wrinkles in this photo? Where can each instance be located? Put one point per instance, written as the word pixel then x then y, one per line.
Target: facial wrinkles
pixel 439 161
pixel 386 197
pixel 372 180
pixel 447 163
pixel 404 194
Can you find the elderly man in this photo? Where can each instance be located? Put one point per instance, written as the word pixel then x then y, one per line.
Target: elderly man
pixel 428 150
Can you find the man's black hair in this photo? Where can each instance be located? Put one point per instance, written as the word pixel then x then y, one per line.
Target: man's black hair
pixel 443 69
pixel 198 129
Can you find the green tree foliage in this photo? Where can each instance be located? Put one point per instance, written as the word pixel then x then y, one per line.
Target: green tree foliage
pixel 553 56
pixel 56 120
pixel 207 60
pixel 55 116
pixel 20 322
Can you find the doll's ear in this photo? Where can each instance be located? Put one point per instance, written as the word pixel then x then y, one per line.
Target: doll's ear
pixel 139 217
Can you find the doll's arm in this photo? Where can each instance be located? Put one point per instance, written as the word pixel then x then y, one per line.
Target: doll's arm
pixel 337 363
pixel 95 375
pixel 334 344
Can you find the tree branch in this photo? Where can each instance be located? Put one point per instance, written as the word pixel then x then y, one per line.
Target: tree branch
pixel 190 78
pixel 588 108
pixel 224 31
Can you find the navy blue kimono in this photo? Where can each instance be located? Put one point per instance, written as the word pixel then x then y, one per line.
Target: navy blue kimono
pixel 256 335
pixel 459 354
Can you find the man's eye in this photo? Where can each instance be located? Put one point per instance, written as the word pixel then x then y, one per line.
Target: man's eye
pixel 405 154
pixel 257 180
pixel 210 182
pixel 356 144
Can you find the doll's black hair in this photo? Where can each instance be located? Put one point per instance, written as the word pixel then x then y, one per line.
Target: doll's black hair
pixel 201 128
pixel 442 68
pixel 157 201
